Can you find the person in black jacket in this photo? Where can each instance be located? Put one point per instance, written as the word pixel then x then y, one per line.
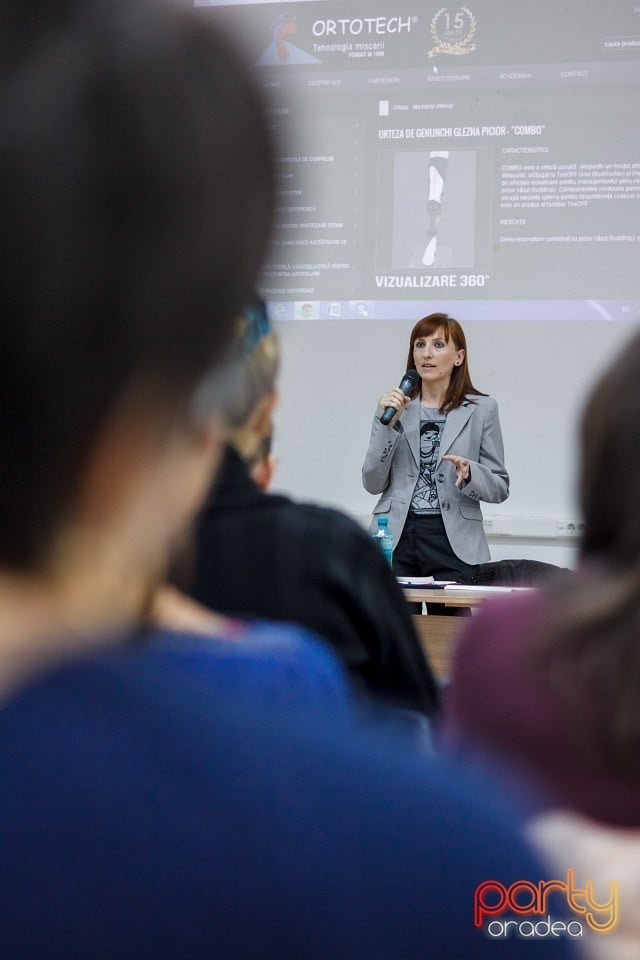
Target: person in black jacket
pixel 265 555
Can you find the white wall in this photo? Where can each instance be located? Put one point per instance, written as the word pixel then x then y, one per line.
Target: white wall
pixel 334 371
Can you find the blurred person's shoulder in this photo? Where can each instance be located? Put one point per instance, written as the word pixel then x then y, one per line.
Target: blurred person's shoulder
pixel 328 523
pixel 265 660
pixel 92 748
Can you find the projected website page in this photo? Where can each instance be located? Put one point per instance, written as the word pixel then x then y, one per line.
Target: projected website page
pixel 488 153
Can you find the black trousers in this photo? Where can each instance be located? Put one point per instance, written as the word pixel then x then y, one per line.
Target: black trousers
pixel 424 551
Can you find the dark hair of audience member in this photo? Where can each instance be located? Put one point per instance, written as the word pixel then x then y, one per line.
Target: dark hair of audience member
pixel 591 645
pixel 135 211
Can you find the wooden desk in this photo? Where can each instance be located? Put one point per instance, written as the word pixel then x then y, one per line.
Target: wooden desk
pixel 438 634
pixel 452 596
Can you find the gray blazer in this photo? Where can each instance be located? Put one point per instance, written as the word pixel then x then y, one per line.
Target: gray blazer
pixel 393 458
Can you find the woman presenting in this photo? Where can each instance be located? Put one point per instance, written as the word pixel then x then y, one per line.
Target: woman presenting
pixel 441 454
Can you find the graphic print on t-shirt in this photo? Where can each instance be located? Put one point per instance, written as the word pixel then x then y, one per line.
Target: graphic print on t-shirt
pixel 425 494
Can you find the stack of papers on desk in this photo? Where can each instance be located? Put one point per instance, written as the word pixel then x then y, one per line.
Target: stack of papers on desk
pixel 478 588
pixel 427 582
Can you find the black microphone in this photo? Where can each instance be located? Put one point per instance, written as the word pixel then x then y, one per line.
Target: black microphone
pixel 410 380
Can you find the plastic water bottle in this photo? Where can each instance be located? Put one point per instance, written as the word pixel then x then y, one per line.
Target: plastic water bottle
pixel 384 538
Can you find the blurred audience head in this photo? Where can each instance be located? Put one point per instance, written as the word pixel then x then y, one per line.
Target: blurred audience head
pixel 610 461
pixel 592 643
pixel 136 199
pixel 251 396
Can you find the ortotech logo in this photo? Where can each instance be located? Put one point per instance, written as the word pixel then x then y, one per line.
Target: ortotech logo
pixel 350 37
pixel 363 26
pixel 523 909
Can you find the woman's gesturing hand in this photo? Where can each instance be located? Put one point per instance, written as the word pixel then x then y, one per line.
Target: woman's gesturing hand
pixel 463 468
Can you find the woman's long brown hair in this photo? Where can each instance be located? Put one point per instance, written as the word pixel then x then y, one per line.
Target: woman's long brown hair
pixel 460 384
